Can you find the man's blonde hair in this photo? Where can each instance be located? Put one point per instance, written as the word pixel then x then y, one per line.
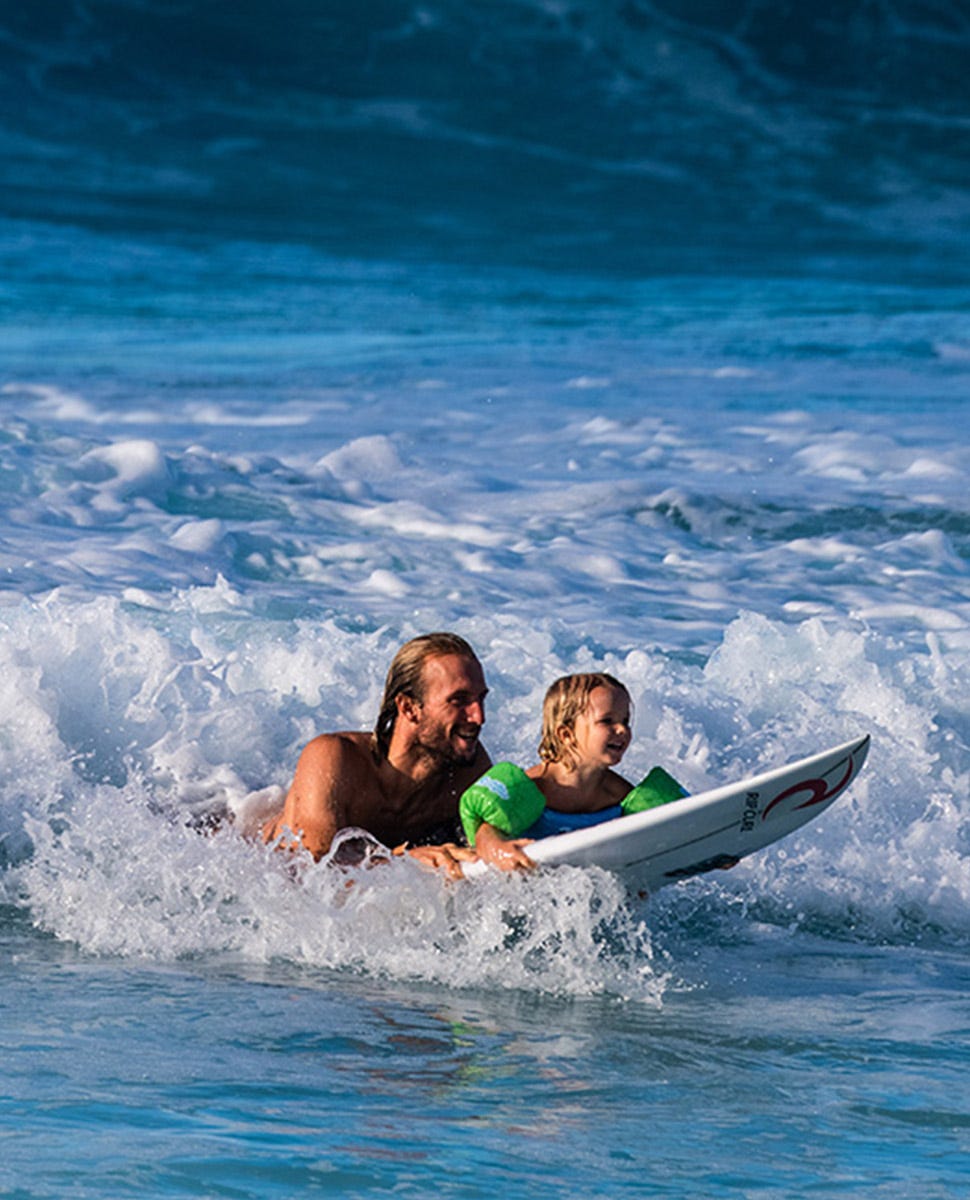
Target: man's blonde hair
pixel 405 678
pixel 565 701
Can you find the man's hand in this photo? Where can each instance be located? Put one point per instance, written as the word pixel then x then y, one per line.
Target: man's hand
pixel 447 857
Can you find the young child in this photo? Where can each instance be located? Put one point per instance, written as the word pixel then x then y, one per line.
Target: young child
pixel 585 733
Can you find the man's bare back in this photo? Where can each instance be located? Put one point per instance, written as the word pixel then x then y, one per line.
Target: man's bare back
pixel 405 785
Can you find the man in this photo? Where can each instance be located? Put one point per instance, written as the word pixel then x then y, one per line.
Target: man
pixel 401 783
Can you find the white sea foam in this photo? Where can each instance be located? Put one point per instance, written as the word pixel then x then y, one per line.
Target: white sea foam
pixel 52 400
pixel 371 459
pixel 180 618
pixel 135 467
pixel 198 537
pixel 131 722
pixel 93 882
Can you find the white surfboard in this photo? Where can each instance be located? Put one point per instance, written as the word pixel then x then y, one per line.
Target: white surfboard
pixel 709 831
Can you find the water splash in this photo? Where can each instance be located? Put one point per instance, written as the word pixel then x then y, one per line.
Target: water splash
pixel 128 724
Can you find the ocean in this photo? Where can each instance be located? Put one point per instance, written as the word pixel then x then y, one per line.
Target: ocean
pixel 627 336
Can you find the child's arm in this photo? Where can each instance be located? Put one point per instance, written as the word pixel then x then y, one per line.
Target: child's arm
pixel 503 852
pixel 496 810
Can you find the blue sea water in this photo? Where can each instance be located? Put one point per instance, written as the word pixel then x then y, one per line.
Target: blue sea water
pixel 632 336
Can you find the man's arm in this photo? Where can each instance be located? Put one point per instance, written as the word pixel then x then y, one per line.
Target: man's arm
pixel 313 810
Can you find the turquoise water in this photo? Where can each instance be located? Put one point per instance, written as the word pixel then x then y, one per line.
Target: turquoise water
pixel 634 339
pixel 777 1069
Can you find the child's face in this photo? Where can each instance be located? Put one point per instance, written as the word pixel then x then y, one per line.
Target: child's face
pixel 602 730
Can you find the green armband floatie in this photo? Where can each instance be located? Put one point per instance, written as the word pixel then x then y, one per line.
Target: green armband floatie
pixel 504 797
pixel 657 788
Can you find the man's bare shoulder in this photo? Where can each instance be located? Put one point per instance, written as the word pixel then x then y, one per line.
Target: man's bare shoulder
pixel 346 751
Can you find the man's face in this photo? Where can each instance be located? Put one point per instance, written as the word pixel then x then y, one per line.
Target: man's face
pixel 451 711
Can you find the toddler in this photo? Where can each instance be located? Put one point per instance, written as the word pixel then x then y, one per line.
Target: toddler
pixel 585 733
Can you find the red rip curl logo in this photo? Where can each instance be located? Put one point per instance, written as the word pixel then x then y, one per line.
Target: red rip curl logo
pixel 819 790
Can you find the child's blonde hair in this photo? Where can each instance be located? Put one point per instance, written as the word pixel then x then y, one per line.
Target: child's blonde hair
pixel 565 701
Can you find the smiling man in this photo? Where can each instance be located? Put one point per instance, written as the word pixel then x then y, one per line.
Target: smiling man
pixel 402 782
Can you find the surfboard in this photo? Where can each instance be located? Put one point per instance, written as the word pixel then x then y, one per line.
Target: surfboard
pixel 709 831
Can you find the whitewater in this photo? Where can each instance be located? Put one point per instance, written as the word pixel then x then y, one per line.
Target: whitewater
pixel 310 344
pixel 198 583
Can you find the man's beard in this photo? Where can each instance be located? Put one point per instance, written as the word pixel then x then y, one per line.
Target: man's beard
pixel 438 745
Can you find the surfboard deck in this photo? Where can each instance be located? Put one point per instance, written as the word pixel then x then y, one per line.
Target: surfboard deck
pixel 711 830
